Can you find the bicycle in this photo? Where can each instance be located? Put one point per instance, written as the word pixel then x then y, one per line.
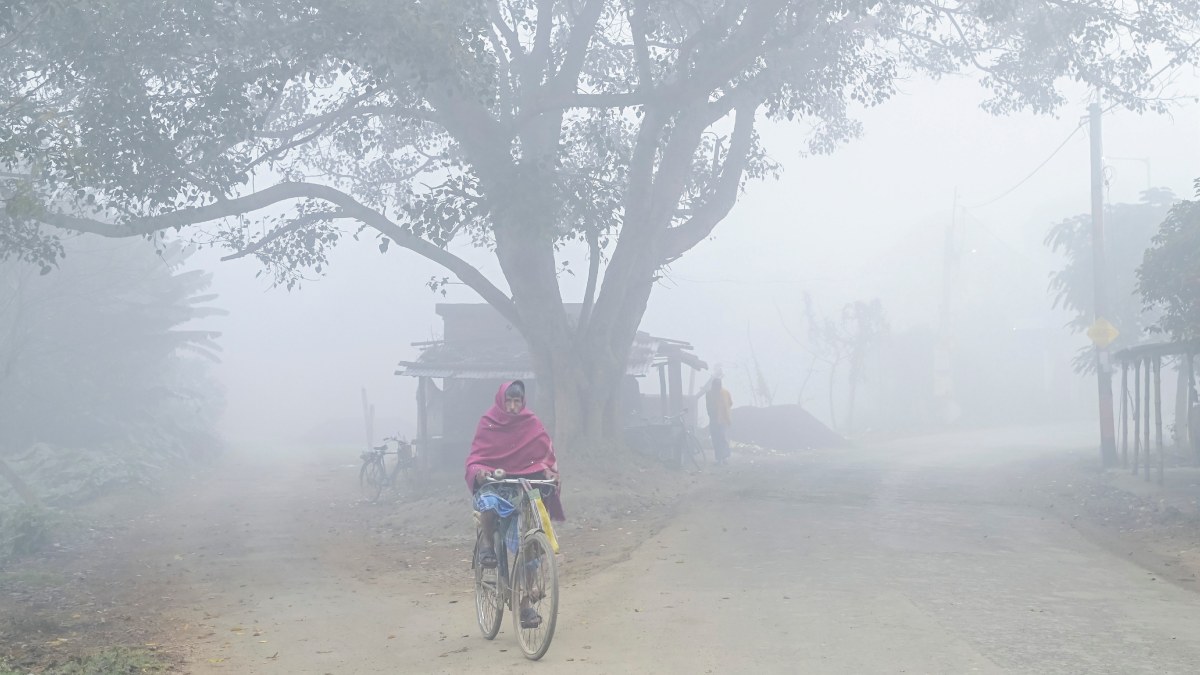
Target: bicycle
pixel 688 449
pixel 373 477
pixel 527 578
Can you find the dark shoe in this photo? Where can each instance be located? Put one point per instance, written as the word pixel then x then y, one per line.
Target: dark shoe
pixel 487 559
pixel 530 618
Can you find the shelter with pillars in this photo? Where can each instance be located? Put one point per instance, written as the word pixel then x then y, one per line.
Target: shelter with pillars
pixel 458 376
pixel 1141 402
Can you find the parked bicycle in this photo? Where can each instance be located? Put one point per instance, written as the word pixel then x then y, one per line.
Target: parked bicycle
pixel 525 580
pixel 375 475
pixel 688 449
pixel 670 441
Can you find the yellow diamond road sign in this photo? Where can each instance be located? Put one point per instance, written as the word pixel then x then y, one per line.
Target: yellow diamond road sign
pixel 1102 332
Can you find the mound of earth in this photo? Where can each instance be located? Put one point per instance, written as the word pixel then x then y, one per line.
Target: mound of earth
pixel 782 427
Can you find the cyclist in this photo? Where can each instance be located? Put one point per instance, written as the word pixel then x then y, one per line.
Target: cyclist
pixel 512 439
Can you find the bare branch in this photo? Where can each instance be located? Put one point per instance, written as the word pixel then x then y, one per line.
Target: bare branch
pixel 304 221
pixel 351 112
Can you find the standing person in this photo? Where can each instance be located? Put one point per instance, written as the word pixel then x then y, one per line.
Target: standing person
pixel 720 416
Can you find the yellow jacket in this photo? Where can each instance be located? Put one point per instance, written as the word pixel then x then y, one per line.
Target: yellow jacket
pixel 720 406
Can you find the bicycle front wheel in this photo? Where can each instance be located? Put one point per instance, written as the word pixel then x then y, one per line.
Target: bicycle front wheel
pixel 489 602
pixel 371 478
pixel 535 595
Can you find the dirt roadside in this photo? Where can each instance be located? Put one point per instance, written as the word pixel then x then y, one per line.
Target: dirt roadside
pixel 1157 527
pixel 249 564
pixel 175 572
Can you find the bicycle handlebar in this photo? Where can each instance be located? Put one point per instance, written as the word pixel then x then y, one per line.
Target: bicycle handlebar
pixel 521 482
pixel 518 481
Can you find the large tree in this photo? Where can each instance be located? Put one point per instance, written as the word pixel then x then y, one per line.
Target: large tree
pixel 519 125
pixel 1169 277
pixel 1128 231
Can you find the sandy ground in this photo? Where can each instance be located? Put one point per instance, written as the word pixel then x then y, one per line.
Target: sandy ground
pixel 950 554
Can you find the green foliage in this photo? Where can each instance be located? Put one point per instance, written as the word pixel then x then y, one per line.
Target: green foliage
pixel 1169 276
pixel 110 661
pixel 516 126
pixel 94 354
pixel 1128 230
pixel 402 104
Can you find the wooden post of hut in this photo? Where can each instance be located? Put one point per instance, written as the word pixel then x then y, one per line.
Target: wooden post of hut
pixel 675 380
pixel 662 390
pixel 1125 413
pixel 424 459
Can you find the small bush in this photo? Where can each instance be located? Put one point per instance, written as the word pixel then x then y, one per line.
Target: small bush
pixel 25 530
pixel 113 661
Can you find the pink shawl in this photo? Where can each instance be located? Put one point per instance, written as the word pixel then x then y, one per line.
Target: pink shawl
pixel 518 444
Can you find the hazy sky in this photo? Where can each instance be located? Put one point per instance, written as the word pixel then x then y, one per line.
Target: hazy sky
pixel 295 360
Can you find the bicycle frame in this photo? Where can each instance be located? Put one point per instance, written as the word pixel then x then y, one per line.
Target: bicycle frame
pixel 524 510
pixel 525 576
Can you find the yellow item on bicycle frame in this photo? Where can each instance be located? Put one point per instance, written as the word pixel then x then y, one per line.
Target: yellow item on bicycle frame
pixel 544 515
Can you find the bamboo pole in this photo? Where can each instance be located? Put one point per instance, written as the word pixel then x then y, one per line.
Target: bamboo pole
pixel 1158 429
pixel 1137 415
pixel 1146 424
pixel 1124 414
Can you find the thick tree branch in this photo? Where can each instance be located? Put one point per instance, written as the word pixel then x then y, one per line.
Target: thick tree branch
pixel 683 237
pixel 510 35
pixel 538 65
pixel 507 94
pixel 349 208
pixel 583 28
pixel 635 14
pixel 589 293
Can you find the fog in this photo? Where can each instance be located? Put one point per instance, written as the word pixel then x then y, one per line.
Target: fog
pixel 867 221
pixel 865 433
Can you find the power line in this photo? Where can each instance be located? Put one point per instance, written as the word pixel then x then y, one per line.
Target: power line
pixel 1031 174
pixel 1173 63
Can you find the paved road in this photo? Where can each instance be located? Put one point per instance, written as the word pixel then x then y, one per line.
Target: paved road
pixel 914 557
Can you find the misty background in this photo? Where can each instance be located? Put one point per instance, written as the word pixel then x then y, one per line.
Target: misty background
pixel 868 221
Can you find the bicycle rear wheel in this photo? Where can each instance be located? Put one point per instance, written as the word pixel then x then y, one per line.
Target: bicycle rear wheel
pixel 489 602
pixel 371 478
pixel 535 588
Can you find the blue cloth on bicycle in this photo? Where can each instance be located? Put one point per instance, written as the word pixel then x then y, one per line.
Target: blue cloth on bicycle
pixel 490 501
pixel 498 498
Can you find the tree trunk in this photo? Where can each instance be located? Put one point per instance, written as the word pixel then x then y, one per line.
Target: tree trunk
pixel 832 382
pixel 850 405
pixel 584 389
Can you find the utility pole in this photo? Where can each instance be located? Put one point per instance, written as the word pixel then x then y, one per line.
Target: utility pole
pixel 1102 331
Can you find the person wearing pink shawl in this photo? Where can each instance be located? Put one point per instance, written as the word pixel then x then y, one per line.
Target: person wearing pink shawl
pixel 511 438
